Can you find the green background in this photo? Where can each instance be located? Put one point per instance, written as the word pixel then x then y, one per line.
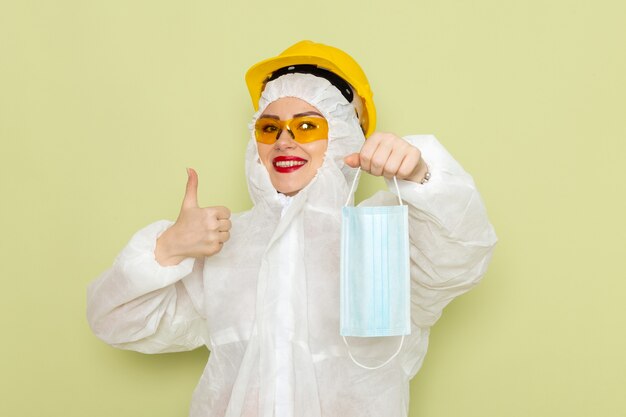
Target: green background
pixel 104 104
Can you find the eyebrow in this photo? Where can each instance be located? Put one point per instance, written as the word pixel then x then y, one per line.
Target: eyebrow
pixel 306 113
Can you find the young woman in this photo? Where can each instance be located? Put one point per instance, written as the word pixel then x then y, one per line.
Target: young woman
pixel 261 289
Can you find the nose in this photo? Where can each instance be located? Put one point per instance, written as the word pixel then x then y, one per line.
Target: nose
pixel 285 140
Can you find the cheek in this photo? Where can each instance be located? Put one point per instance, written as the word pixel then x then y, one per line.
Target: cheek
pixel 317 150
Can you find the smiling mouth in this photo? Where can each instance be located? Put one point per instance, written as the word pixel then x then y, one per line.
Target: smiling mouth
pixel 286 164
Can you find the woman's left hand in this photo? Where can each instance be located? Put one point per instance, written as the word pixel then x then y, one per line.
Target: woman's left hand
pixel 389 155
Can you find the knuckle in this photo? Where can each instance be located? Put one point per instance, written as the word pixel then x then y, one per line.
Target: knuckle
pixel 391 170
pixel 211 222
pixel 377 163
pixel 213 248
pixel 404 172
pixel 374 137
pixel 223 211
pixel 386 137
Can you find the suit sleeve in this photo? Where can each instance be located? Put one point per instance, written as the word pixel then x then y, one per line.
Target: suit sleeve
pixel 141 305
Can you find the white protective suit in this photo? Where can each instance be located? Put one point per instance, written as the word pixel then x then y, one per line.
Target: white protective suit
pixel 267 305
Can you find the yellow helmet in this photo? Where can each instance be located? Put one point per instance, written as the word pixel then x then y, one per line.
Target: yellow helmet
pixel 324 57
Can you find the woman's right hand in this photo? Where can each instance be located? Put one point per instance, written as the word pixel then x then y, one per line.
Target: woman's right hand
pixel 198 231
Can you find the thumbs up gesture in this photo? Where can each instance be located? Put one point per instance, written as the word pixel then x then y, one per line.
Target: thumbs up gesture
pixel 198 231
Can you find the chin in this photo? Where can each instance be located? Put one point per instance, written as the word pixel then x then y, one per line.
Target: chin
pixel 288 189
pixel 291 186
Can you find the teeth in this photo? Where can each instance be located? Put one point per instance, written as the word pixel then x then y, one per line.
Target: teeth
pixel 287 164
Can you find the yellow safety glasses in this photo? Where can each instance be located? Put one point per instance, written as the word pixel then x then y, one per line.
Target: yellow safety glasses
pixel 303 129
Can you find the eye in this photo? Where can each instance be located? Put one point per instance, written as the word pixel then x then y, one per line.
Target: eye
pixel 269 128
pixel 307 126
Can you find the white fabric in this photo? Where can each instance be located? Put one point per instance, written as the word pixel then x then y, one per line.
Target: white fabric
pixel 267 305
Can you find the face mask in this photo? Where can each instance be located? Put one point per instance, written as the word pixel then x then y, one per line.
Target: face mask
pixel 375 280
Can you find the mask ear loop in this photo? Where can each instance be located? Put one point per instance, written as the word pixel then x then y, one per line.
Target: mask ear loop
pixel 397 352
pixel 395 181
pixel 356 177
pixel 359 364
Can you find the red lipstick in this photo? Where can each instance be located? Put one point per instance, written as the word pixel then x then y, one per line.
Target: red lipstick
pixel 287 164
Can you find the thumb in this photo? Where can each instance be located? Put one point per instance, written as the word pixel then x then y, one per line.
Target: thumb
pixel 191 193
pixel 353 160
